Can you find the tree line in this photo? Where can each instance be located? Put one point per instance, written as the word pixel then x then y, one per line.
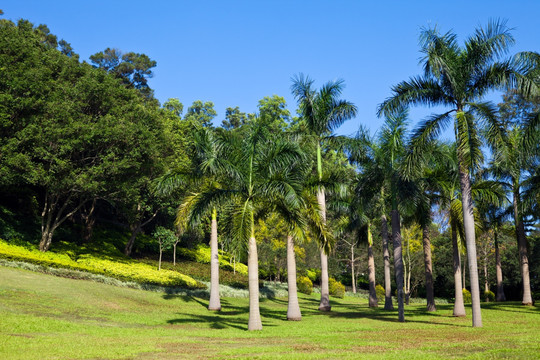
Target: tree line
pixel 83 142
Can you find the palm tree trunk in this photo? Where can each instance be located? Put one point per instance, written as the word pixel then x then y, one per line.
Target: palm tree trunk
pixel 386 255
pixel 254 322
pixel 470 240
pixel 325 291
pixel 500 288
pixel 293 308
pixel 398 262
pixel 430 297
pixel 459 307
pixel 522 246
pixel 371 276
pixel 214 303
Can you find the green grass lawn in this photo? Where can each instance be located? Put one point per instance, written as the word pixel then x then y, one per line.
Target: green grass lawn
pixel 47 317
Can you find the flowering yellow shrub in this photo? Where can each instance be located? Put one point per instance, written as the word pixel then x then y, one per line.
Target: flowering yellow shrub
pixel 123 269
pixel 336 288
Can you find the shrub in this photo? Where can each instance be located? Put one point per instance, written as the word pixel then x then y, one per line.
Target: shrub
pixel 336 288
pixel 466 296
pixel 305 286
pixel 489 296
pixel 313 274
pixel 381 293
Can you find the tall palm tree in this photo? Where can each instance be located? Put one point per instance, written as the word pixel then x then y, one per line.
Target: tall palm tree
pixel 300 221
pixel 207 166
pixel 458 78
pixel 322 112
pixel 382 180
pixel 261 170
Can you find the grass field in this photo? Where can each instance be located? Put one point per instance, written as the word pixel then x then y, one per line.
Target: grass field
pixel 47 317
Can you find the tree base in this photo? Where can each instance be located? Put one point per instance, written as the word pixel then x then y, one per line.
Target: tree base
pixel 294 318
pixel 459 315
pixel 325 308
pixel 214 308
pixel 528 303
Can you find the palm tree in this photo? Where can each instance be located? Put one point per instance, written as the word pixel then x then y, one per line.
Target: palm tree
pixel 322 112
pixel 511 161
pixel 262 170
pixel 207 166
pixel 458 78
pixel 382 178
pixel 300 220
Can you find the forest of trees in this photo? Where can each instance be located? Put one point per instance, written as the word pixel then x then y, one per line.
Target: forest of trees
pixel 87 145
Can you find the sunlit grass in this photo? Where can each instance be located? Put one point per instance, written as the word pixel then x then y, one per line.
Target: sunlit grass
pixel 46 317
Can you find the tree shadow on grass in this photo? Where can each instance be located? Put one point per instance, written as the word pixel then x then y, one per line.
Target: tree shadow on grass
pixel 230 316
pixel 512 307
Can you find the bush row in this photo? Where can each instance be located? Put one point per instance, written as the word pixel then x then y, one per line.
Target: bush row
pixel 123 269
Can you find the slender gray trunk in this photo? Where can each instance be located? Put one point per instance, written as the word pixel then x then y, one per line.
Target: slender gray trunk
pixel 430 297
pixel 500 288
pixel 293 308
pixel 160 255
pixel 486 282
pixel 325 291
pixel 470 240
pixel 459 307
pixel 522 246
pixel 254 322
pixel 214 303
pixel 352 270
pixel 407 271
pixel 387 277
pixel 398 262
pixel 371 276
pixel 464 272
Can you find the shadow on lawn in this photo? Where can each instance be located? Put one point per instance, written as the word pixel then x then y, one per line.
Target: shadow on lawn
pixel 229 317
pixel 512 307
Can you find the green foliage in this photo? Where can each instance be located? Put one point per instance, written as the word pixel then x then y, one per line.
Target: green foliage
pixel 305 286
pixel 313 274
pixel 336 288
pixel 489 296
pixel 466 296
pixel 381 293
pixel 116 267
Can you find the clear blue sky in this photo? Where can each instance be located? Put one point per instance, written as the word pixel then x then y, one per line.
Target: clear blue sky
pixel 234 53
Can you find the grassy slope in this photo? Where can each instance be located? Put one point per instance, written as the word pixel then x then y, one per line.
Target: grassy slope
pixel 48 317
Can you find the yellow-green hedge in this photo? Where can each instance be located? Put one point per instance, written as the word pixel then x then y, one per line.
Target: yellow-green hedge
pixel 127 270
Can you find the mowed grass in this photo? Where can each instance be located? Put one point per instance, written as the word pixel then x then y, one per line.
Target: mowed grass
pixel 47 317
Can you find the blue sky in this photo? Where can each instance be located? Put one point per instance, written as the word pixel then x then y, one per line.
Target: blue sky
pixel 234 53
